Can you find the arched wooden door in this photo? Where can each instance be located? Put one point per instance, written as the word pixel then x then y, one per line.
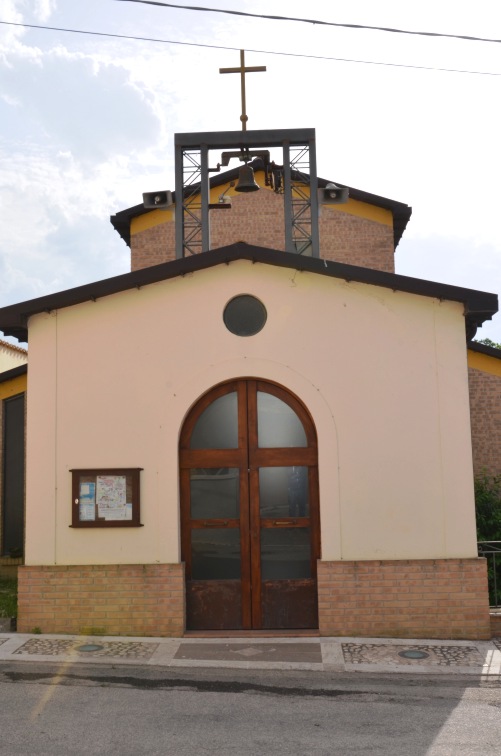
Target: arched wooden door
pixel 249 510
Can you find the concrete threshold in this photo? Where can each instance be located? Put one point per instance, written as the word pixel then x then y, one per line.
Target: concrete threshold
pixel 252 634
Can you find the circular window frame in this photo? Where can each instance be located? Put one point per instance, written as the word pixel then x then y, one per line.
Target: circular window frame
pixel 245 315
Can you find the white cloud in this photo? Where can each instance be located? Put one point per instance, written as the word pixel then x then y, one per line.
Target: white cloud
pixel 88 123
pixel 86 106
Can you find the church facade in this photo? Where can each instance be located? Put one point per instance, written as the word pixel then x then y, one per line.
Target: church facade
pixel 357 519
pixel 252 440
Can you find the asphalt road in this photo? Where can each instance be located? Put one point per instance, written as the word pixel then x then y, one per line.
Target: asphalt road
pixel 122 710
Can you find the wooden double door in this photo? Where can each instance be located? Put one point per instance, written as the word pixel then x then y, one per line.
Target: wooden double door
pixel 249 510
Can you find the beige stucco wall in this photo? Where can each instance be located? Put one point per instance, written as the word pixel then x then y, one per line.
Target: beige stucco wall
pixel 383 374
pixel 11 356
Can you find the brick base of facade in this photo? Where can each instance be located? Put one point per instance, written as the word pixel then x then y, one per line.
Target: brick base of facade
pixel 442 598
pixel 436 598
pixel 140 600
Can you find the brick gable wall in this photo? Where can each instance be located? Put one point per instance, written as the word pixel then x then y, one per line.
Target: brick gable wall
pixel 258 218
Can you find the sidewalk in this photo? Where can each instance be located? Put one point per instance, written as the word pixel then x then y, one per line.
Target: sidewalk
pixel 385 655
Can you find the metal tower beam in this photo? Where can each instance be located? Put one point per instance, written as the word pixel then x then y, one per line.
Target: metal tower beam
pixel 300 185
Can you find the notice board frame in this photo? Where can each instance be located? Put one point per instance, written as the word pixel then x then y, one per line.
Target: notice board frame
pixel 106 491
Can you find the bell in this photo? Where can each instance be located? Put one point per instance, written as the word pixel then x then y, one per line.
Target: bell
pixel 246 180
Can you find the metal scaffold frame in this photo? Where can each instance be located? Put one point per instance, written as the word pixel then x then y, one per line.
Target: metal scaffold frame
pixel 299 185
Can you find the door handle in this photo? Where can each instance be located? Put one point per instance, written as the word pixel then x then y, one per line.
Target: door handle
pixel 212 524
pixel 284 522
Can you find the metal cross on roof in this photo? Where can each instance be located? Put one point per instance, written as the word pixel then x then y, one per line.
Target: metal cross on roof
pixel 242 71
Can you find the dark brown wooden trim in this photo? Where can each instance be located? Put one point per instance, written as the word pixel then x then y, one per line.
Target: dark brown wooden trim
pixel 255 542
pixel 131 472
pixel 300 456
pixel 285 522
pixel 245 553
pixel 185 493
pixel 215 522
pixel 213 458
pixel 313 488
pixel 245 497
pixel 14 372
pixel 248 458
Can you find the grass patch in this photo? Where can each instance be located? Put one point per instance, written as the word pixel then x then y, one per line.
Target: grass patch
pixel 8 597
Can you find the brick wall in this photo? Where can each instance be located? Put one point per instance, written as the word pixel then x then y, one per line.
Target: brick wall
pixel 357 241
pixel 140 600
pixel 255 218
pixel 153 246
pixel 258 218
pixel 439 598
pixel 445 598
pixel 485 411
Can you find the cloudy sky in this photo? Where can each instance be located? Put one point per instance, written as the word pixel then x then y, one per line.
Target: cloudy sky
pixel 87 122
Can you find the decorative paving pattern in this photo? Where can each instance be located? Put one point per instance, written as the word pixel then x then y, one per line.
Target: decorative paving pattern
pixel 85 648
pixel 310 653
pixel 497 642
pixel 386 653
pixel 45 647
pixel 2 640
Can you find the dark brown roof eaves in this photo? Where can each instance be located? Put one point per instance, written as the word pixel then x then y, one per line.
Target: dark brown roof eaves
pixel 475 346
pixel 121 221
pixel 8 375
pixel 479 306
pixel 401 213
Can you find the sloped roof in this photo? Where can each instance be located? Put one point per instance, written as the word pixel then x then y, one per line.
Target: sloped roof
pixel 475 346
pixel 401 213
pixel 478 306
pixel 8 375
pixel 14 347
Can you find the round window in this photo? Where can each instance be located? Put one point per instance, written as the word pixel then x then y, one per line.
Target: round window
pixel 244 315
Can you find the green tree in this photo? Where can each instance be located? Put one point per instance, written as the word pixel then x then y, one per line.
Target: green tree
pixel 488 511
pixel 488 507
pixel 488 342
